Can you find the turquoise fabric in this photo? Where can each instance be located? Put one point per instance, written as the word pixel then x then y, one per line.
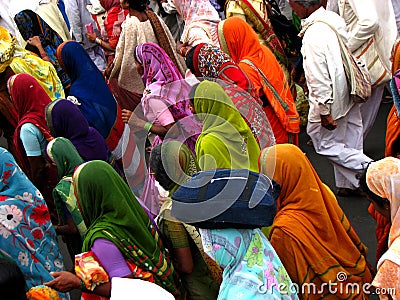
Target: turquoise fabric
pixel 251 268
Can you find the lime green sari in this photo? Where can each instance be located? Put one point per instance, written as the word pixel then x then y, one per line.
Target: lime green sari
pixel 112 212
pixel 226 140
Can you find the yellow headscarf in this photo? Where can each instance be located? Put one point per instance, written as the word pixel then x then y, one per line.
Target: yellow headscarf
pixel 23 61
pixel 7 47
pixel 226 141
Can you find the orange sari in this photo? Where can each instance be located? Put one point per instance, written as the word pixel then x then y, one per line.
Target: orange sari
pixel 310 233
pixel 239 40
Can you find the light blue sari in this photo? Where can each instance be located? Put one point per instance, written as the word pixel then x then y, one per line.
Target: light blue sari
pixel 26 233
pixel 251 267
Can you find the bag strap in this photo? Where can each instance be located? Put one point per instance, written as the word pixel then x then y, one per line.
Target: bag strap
pixel 254 11
pixel 344 52
pixel 267 83
pixel 215 269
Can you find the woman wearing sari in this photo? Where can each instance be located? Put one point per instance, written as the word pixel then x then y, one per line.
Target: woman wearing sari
pixel 251 267
pixel 63 153
pixel 26 232
pixel 114 17
pixel 92 94
pixel 239 40
pixel 201 22
pixel 209 62
pixel 382 179
pixel 165 97
pixel 15 60
pixel 311 234
pixel 119 232
pixel 23 61
pixel 255 13
pixel 392 148
pixel 42 40
pixel 173 164
pixel 164 105
pixel 140 26
pixel 64 119
pixel 32 134
pixel 225 141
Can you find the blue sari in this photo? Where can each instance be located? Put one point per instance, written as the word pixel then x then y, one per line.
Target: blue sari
pixel 251 267
pixel 29 25
pixel 26 232
pixel 97 103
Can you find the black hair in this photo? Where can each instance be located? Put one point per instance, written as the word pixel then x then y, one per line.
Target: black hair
pixel 12 281
pixel 382 202
pixel 189 59
pixel 308 3
pixel 157 167
pixel 139 5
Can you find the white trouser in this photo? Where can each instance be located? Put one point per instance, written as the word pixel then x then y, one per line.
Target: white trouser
pixel 369 109
pixel 342 146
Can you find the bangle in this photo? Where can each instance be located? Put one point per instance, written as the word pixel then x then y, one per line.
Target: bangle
pixel 147 126
pixel 181 51
pixel 98 41
pixel 82 285
pixel 187 51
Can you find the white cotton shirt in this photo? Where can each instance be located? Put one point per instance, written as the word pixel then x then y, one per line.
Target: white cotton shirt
pixel 323 66
pixel 370 18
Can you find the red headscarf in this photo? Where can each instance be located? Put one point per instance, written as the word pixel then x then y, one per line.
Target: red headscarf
pixel 30 101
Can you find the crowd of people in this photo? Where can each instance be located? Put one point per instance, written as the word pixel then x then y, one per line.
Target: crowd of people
pixel 115 110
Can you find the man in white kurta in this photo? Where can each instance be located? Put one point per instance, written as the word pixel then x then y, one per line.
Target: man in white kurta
pixel 367 19
pixel 334 121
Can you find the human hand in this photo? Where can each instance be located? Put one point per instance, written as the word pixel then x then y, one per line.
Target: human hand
pixel 180 47
pixel 63 281
pixel 108 70
pixel 34 41
pixel 91 37
pixel 328 122
pixel 126 115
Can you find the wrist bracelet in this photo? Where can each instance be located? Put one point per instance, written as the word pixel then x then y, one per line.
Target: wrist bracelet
pixel 181 51
pixel 147 126
pixel 98 41
pixel 82 285
pixel 187 51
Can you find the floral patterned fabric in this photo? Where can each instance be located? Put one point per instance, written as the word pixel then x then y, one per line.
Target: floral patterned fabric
pixel 26 233
pixel 252 269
